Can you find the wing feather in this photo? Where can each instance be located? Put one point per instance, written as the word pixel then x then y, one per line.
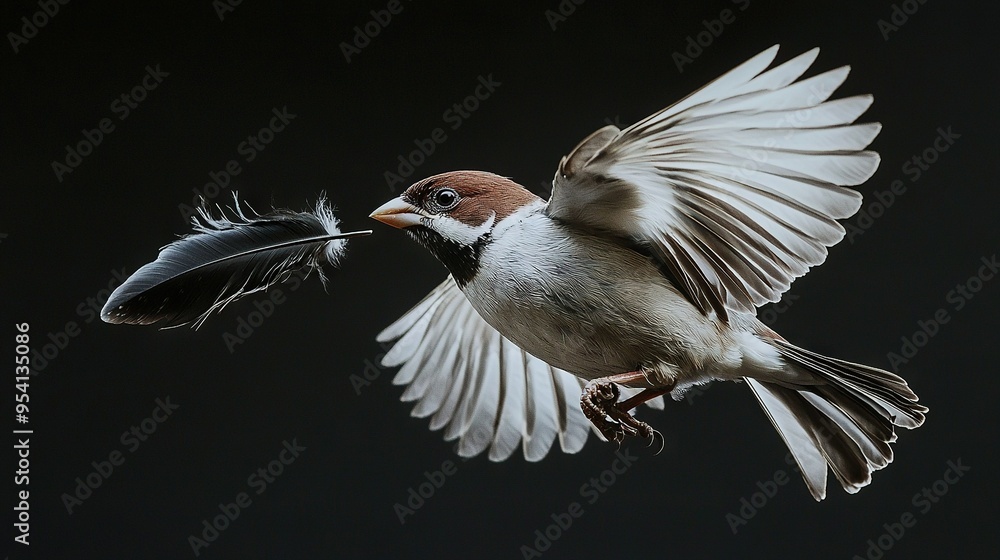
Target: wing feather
pixel 480 388
pixel 736 188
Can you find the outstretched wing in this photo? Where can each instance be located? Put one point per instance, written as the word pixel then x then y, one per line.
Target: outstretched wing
pixel 481 388
pixel 736 188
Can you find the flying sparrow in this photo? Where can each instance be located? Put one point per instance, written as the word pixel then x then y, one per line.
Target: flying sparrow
pixel 644 271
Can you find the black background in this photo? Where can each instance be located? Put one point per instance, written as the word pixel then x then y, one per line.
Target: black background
pixel 292 377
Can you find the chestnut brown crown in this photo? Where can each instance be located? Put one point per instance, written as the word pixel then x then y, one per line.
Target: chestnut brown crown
pixel 470 197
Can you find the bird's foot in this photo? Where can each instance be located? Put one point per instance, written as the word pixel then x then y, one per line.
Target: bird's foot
pixel 600 405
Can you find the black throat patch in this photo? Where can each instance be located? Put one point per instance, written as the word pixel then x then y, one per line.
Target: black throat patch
pixel 461 260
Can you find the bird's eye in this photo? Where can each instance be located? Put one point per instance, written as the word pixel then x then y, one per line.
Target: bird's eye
pixel 445 199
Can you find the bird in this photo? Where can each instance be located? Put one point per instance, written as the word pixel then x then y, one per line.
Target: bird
pixel 641 276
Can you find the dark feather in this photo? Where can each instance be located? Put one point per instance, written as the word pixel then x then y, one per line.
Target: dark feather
pixel 224 260
pixel 845 421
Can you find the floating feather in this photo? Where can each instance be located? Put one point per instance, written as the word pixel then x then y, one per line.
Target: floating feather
pixel 225 259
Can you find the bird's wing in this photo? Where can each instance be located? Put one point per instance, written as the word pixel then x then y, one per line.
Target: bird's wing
pixel 481 388
pixel 736 188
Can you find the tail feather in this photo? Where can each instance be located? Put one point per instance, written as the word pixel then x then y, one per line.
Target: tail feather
pixel 888 390
pixel 844 422
pixel 783 408
pixel 875 431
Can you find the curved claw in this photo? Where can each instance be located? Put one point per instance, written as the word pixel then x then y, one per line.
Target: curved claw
pixel 663 442
pixel 600 405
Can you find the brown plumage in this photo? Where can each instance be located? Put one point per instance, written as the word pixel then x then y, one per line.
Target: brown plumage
pixel 505 196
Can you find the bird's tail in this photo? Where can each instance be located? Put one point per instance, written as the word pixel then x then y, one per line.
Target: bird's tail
pixel 845 420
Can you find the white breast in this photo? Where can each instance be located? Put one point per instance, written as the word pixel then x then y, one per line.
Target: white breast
pixel 589 306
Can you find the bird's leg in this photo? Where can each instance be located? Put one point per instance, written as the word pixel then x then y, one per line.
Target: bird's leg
pixel 600 405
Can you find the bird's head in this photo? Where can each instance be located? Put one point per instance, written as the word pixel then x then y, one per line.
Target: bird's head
pixel 453 215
